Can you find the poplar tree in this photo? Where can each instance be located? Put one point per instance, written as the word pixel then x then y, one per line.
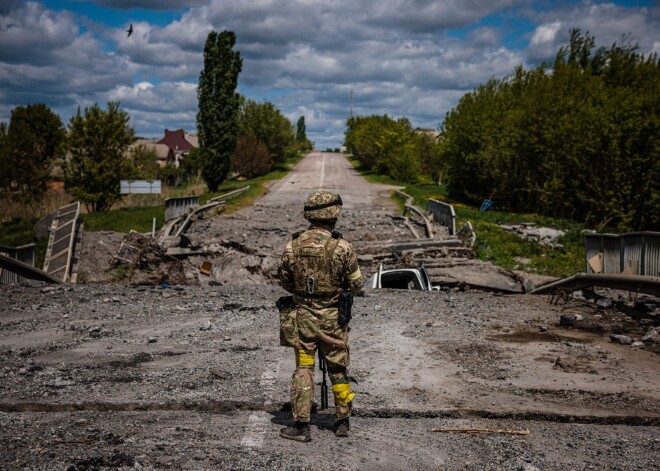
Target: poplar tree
pixel 217 123
pixel 301 129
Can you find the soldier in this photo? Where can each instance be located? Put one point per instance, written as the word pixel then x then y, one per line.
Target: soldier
pixel 317 266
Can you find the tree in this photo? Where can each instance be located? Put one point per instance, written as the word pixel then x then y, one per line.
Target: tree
pixel 5 161
pixel 385 145
pixel 32 144
pixel 300 129
pixel 579 143
pixel 98 141
pixel 192 164
pixel 143 163
pixel 268 125
pixel 251 158
pixel 218 106
pixel 303 143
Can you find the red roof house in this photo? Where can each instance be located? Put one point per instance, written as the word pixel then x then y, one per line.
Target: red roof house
pixel 176 141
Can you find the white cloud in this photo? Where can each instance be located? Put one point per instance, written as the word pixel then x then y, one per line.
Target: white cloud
pixel 607 22
pixel 545 34
pixel 166 97
pixel 399 57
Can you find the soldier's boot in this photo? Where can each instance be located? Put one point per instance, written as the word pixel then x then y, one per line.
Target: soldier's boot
pixel 342 427
pixel 299 432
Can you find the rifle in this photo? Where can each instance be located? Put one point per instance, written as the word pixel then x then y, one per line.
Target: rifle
pixel 324 385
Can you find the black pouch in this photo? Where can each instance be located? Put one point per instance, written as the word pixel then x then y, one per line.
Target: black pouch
pixel 285 302
pixel 345 307
pixel 288 326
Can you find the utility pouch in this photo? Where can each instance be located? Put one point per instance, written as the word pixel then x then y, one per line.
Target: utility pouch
pixel 288 326
pixel 345 307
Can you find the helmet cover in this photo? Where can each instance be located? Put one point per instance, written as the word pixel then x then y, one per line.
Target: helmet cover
pixel 322 205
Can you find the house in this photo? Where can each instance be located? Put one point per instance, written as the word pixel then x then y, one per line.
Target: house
pixel 434 133
pixel 178 145
pixel 164 154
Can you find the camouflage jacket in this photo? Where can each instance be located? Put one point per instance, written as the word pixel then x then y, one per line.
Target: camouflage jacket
pixel 316 266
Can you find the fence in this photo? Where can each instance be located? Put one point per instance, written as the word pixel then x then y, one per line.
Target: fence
pixel 639 251
pixel 444 214
pixel 25 254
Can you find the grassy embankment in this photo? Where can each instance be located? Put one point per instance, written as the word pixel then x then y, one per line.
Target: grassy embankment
pixel 21 231
pixel 496 244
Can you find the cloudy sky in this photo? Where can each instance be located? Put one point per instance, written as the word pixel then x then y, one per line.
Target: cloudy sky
pixel 412 58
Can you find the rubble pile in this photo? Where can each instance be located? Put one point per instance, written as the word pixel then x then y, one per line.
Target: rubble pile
pixel 141 260
pixel 633 322
pixel 545 236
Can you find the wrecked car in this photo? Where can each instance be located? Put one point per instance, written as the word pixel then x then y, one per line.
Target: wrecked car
pixel 401 278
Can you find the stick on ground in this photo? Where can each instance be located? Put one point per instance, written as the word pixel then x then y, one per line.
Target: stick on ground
pixel 482 430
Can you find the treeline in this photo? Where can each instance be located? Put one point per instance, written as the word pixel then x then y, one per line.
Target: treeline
pixel 90 155
pixel 94 152
pixel 392 147
pixel 580 141
pixel 265 138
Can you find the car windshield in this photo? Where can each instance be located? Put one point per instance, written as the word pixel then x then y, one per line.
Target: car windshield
pixel 400 279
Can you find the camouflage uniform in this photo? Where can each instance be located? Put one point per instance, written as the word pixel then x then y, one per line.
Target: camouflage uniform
pixel 317 265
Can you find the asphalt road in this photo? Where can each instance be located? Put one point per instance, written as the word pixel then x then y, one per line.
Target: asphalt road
pixel 331 172
pixel 126 377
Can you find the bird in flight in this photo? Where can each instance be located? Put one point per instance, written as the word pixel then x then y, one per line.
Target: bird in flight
pixel 129 30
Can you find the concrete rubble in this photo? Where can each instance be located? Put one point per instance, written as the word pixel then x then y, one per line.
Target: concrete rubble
pixel 544 236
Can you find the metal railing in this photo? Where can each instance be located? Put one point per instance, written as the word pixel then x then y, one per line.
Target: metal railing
pixel 177 207
pixel 25 254
pixel 637 251
pixel 443 214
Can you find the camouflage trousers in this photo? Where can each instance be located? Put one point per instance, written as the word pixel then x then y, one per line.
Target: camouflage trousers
pixel 319 329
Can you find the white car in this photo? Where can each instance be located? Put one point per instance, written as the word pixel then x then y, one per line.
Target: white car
pixel 401 278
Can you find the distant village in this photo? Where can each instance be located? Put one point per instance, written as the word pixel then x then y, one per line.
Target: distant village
pixel 172 148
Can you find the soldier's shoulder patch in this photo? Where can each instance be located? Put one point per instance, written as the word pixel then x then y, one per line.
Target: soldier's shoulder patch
pixel 296 234
pixel 337 234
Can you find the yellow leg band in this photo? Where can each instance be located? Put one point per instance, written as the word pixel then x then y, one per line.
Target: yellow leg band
pixel 342 393
pixel 305 358
pixel 355 275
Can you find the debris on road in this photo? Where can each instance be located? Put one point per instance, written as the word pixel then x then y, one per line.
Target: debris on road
pixel 145 262
pixel 206 267
pixel 622 339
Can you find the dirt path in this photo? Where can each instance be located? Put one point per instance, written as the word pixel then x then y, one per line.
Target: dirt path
pixel 108 377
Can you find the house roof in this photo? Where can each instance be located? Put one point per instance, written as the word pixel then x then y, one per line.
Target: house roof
pixel 192 138
pixel 176 141
pixel 161 150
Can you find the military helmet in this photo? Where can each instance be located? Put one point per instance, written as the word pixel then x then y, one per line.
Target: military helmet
pixel 322 205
